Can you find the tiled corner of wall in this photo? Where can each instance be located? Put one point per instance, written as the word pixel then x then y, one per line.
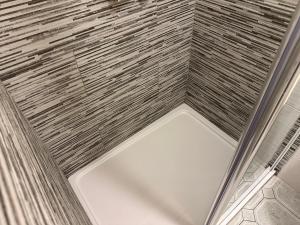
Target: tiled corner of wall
pixel 89 73
pixel 234 44
pixel 33 190
pixel 290 152
pixel 274 139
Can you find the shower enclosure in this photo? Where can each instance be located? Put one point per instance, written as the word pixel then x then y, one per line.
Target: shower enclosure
pixel 142 112
pixel 256 146
pixel 149 178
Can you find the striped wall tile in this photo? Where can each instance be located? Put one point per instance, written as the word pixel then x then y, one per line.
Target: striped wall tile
pixel 291 150
pixel 234 44
pixel 33 190
pixel 273 140
pixel 87 74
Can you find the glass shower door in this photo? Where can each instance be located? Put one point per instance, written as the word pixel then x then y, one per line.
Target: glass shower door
pixel 255 158
pixel 259 182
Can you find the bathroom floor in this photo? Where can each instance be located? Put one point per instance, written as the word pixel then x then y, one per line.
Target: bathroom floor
pixel 275 204
pixel 253 172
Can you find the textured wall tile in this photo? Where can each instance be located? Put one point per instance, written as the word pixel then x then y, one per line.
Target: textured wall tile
pixel 29 28
pixel 52 97
pixel 234 44
pixel 123 45
pixel 285 142
pixel 277 134
pixel 33 190
pixel 88 74
pixel 281 132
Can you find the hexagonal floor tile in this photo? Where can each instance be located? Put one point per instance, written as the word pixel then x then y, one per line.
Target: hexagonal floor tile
pixel 288 197
pixel 271 212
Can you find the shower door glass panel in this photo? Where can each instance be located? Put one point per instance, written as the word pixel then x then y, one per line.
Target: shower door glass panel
pixel 273 143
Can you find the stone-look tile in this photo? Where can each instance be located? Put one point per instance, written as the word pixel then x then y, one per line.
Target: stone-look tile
pixel 290 171
pixel 254 170
pixel 255 200
pixel 288 197
pixel 237 219
pixel 275 204
pixel 248 214
pixel 234 44
pixel 268 193
pixel 271 212
pixel 252 176
pixel 254 166
pixel 32 188
pixel 243 186
pixel 272 182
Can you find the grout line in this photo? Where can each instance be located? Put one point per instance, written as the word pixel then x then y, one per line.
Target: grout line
pixel 246 196
pixel 286 148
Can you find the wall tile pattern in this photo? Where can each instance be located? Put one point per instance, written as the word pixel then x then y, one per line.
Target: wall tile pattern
pixel 293 113
pixel 291 150
pixel 89 73
pixel 276 136
pixel 234 44
pixel 282 130
pixel 32 189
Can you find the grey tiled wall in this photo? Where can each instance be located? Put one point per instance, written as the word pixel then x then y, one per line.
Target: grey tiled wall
pixel 89 73
pixel 286 141
pixel 282 131
pixel 234 44
pixel 33 191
